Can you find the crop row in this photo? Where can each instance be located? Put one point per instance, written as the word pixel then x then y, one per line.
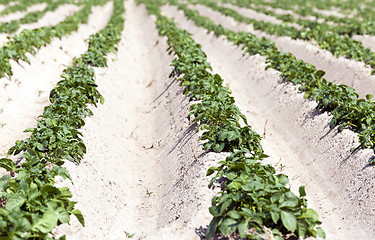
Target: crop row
pixel 30 41
pixel 327 37
pixel 21 6
pixel 254 201
pixel 358 9
pixel 14 25
pixel 341 101
pixel 340 25
pixel 31 205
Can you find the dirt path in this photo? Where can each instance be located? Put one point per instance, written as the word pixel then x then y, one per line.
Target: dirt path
pixel 297 138
pixel 344 71
pixel 23 97
pixel 143 172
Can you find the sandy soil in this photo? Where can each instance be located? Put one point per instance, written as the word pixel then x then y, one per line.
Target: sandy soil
pixel 299 138
pixel 143 176
pixel 367 41
pixel 332 12
pixel 18 15
pixel 144 171
pixel 23 97
pixel 263 17
pixel 52 18
pixel 344 71
pixel 48 19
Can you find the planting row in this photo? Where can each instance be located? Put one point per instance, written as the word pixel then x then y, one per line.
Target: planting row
pixel 14 25
pixel 340 100
pixel 254 201
pixel 30 41
pixel 326 36
pixel 21 6
pixel 31 206
pixel 361 12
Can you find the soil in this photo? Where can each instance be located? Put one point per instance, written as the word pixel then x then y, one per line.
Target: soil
pixel 340 70
pixel 144 174
pixel 296 136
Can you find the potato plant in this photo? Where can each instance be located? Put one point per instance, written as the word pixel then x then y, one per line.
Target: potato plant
pixel 254 201
pixel 31 205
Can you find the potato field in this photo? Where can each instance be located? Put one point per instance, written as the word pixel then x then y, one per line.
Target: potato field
pixel 187 119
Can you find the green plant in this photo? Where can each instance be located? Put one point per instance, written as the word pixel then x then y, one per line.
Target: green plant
pixel 31 205
pixel 254 201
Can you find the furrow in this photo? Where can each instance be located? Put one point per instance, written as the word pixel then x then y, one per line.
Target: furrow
pixel 340 70
pixel 297 138
pixel 23 98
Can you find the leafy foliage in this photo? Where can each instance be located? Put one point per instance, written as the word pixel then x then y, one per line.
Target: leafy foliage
pixel 31 206
pixel 340 100
pixel 253 198
pixel 328 37
pixel 30 41
pixel 12 26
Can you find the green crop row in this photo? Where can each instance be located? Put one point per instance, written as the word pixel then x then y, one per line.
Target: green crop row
pixel 21 6
pixel 30 205
pixel 331 41
pixel 343 25
pixel 360 10
pixel 14 25
pixel 254 200
pixel 30 41
pixel 341 101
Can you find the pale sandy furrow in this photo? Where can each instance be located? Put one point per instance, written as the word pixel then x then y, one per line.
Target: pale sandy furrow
pixel 23 97
pixel 52 18
pixel 143 175
pixel 277 11
pixel 298 139
pixel 333 12
pixel 18 15
pixel 341 70
pixel 49 19
pixel 263 17
pixel 367 41
pixel 4 6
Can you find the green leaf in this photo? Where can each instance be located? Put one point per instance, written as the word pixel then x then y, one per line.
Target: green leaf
pixel 275 216
pixel 310 213
pixel 47 222
pixel 14 201
pixel 302 192
pixel 321 232
pixel 242 227
pixel 211 170
pixel 320 73
pixel 234 214
pixel 289 220
pixel 64 75
pixel 228 226
pixel 302 228
pixel 62 237
pixel 79 216
pixel 39 146
pixel 211 228
pixel 218 147
pixel 369 97
pixel 231 136
pixel 50 190
pixel 64 217
pixel 8 164
pixel 307 95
